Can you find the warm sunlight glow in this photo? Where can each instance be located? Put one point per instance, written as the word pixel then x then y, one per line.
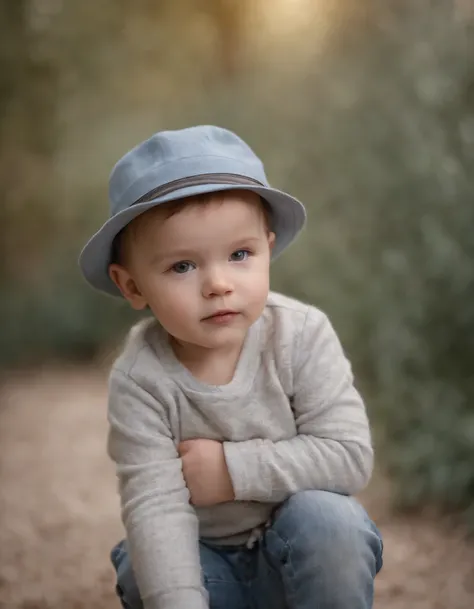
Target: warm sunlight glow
pixel 297 27
pixel 288 15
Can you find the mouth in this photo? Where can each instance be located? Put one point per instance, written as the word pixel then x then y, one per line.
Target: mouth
pixel 222 316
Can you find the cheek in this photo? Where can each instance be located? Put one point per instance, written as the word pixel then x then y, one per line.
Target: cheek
pixel 175 298
pixel 262 288
pixel 257 285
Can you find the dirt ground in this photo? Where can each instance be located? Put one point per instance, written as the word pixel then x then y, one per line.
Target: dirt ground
pixel 59 509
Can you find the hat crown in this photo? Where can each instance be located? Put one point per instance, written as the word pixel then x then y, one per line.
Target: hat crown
pixel 172 155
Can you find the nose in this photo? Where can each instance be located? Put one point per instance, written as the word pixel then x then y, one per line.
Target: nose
pixel 216 283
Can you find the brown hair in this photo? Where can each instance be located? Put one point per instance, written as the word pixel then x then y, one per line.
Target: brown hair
pixel 171 208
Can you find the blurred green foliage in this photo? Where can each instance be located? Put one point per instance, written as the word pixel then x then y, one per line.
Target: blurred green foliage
pixel 363 110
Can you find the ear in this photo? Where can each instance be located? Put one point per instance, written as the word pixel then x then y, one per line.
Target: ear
pixel 127 285
pixel 271 240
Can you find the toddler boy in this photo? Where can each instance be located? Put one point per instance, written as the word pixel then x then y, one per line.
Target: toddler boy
pixel 237 433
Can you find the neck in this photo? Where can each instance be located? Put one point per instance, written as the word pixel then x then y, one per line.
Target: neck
pixel 213 366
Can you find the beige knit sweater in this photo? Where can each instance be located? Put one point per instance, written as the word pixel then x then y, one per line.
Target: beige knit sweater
pixel 290 420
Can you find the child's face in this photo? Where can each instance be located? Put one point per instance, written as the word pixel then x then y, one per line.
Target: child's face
pixel 206 257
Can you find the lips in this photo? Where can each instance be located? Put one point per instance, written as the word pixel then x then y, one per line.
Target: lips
pixel 223 315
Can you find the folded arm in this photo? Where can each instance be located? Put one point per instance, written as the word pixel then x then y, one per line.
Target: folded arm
pixel 332 449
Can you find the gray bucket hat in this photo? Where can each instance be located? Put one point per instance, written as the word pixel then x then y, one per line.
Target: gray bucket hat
pixel 173 165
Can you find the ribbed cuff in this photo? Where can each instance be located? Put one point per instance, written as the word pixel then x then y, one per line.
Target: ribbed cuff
pixel 243 461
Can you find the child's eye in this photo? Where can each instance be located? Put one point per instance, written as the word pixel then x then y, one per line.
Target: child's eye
pixel 182 267
pixel 239 255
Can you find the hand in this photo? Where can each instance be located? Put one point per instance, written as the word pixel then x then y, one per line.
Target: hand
pixel 205 472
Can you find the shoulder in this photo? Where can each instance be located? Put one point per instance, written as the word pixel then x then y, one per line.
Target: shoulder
pixel 298 328
pixel 304 342
pixel 290 330
pixel 292 316
pixel 138 363
pixel 139 396
pixel 136 348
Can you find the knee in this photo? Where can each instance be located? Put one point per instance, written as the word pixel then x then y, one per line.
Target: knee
pixel 322 510
pixel 330 526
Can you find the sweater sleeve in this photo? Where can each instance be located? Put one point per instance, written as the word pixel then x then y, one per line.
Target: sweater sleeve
pixel 332 450
pixel 161 525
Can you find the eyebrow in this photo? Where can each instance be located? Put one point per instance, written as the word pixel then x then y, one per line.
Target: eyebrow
pixel 175 254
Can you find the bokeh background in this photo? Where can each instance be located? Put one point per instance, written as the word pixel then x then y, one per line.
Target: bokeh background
pixel 364 109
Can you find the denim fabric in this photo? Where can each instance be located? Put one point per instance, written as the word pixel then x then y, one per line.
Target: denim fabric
pixel 322 551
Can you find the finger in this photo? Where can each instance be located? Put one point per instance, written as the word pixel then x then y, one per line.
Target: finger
pixel 184 447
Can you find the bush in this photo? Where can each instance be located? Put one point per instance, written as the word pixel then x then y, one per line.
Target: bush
pixel 58 318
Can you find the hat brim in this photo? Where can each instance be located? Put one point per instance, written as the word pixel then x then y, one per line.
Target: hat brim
pixel 287 220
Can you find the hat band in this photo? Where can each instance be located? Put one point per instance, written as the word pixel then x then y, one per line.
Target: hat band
pixel 198 180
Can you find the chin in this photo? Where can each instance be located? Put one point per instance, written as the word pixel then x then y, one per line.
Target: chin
pixel 226 338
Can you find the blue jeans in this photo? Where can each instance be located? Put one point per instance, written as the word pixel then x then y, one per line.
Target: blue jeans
pixel 322 551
